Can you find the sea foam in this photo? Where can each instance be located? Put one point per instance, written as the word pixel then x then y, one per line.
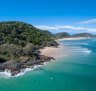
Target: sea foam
pixel 85 43
pixel 7 73
pixel 87 51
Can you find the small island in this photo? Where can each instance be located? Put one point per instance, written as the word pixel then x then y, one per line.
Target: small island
pixel 20 45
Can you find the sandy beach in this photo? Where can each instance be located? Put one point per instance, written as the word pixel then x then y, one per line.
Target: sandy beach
pixel 59 52
pixel 74 38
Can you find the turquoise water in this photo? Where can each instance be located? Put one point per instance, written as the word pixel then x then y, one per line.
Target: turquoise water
pixel 77 72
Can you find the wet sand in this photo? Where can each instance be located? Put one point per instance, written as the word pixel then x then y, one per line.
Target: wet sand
pixel 59 52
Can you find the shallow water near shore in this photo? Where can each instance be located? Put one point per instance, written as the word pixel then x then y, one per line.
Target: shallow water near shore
pixel 75 72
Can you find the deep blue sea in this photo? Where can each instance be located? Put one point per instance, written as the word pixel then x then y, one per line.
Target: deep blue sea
pixel 75 72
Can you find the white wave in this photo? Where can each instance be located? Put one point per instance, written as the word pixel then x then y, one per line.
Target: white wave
pixel 85 43
pixel 7 73
pixel 87 51
pixel 84 50
pixel 23 71
pixel 80 49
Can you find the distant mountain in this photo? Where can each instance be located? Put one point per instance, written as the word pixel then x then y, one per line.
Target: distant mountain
pixel 83 35
pixel 67 35
pixel 62 35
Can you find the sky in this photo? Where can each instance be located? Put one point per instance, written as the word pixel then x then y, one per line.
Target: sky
pixel 73 16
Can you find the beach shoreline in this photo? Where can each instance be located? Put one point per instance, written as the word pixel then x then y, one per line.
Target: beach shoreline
pixel 73 38
pixel 51 52
pixel 7 73
pixel 56 52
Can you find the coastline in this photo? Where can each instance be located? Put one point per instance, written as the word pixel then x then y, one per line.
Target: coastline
pixel 7 73
pixel 73 38
pixel 22 50
pixel 11 72
pixel 47 54
pixel 44 59
pixel 57 53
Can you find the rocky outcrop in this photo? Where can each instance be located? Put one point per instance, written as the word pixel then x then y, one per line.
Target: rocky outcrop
pixel 16 66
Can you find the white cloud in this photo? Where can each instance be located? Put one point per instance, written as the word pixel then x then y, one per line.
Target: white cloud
pixel 59 27
pixel 91 29
pixel 88 21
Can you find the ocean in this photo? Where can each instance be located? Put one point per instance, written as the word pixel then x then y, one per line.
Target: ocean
pixel 74 72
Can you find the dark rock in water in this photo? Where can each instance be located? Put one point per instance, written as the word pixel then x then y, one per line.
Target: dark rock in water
pixel 17 66
pixel 2 68
pixel 43 58
pixel 39 68
pixel 13 73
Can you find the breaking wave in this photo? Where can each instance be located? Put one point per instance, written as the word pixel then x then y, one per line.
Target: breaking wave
pixel 7 73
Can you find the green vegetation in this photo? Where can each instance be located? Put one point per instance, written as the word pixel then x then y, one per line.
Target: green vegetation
pixel 20 39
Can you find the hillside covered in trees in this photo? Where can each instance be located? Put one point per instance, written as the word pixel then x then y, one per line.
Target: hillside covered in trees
pixel 20 44
pixel 20 33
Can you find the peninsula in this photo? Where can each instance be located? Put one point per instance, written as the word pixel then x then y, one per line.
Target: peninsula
pixel 20 44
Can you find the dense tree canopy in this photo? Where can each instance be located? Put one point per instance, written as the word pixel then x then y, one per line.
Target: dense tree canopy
pixel 20 33
pixel 21 39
